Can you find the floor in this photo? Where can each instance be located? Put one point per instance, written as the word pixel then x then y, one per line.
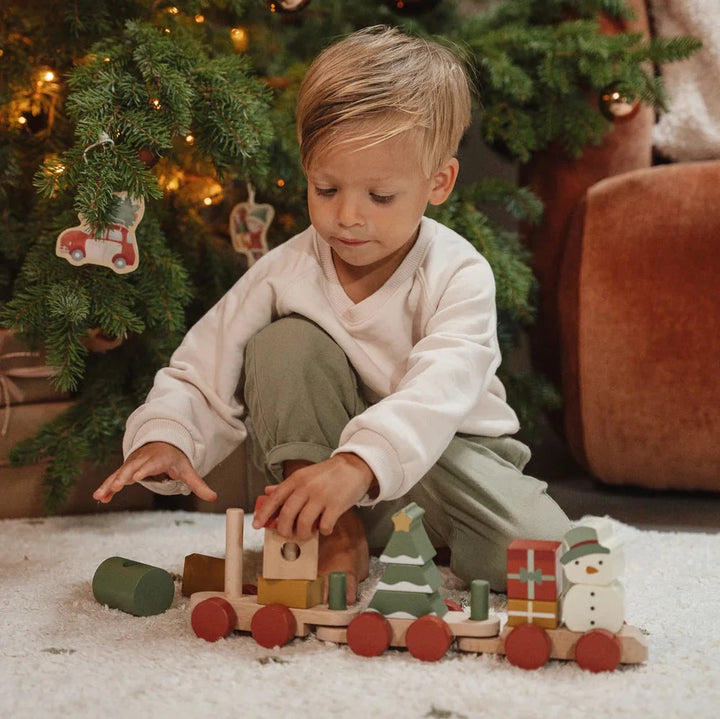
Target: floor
pixel 579 494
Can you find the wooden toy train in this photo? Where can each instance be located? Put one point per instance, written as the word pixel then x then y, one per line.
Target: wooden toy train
pixel 585 624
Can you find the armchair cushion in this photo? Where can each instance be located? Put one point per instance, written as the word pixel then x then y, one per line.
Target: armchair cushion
pixel 639 306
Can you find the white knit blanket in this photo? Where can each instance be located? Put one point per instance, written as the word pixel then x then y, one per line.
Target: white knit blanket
pixel 691 128
pixel 64 655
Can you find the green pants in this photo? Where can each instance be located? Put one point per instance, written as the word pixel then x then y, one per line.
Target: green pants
pixel 301 391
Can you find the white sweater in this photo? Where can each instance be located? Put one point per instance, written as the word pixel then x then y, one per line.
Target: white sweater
pixel 424 346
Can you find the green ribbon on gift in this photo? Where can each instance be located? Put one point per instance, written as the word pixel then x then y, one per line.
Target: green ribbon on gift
pixel 530 575
pixel 536 576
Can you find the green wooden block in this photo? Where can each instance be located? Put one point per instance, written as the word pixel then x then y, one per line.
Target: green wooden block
pixel 424 579
pixel 133 587
pixel 479 600
pixel 337 590
pixel 413 604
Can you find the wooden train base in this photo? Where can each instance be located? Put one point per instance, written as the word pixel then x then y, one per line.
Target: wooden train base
pixel 215 615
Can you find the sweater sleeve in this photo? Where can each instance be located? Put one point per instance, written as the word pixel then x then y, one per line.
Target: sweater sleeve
pixel 449 371
pixel 193 403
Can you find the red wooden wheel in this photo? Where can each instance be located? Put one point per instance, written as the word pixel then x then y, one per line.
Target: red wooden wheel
pixel 527 646
pixel 213 619
pixel 598 651
pixel 369 634
pixel 273 626
pixel 428 638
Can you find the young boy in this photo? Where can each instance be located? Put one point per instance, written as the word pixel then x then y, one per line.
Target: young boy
pixel 361 354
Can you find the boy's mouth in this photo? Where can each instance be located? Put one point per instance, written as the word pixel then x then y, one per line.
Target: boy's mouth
pixel 349 242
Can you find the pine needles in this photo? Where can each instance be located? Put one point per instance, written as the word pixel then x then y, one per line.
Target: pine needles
pixel 139 83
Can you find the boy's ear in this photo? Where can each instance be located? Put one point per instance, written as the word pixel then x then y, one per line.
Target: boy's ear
pixel 443 181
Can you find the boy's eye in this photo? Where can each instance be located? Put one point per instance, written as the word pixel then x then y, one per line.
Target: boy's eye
pixel 382 199
pixel 325 191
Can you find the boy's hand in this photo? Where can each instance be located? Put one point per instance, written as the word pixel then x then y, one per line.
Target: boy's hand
pixel 322 491
pixel 148 461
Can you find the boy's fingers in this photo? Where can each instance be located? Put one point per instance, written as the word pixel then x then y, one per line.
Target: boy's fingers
pixel 184 472
pixel 328 520
pixel 307 520
pixel 113 484
pixel 103 489
pixel 270 505
pixel 199 487
pixel 291 507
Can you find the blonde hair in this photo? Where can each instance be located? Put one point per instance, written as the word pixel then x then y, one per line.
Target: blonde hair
pixel 378 83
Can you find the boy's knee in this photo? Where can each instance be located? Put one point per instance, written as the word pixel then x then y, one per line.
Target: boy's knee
pixel 544 520
pixel 285 338
pixel 290 349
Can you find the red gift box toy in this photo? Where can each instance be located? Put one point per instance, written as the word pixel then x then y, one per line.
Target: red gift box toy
pixel 533 570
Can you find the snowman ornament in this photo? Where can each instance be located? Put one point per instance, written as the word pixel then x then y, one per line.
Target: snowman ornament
pixel 592 563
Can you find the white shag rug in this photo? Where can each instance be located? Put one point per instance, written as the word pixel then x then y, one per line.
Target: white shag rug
pixel 64 655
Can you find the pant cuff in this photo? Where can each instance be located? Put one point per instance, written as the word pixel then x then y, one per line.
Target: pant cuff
pixel 307 451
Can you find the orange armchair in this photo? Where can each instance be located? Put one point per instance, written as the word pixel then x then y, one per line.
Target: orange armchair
pixel 628 260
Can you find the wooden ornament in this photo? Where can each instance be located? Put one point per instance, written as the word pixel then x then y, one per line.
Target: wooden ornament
pixel 115 247
pixel 249 223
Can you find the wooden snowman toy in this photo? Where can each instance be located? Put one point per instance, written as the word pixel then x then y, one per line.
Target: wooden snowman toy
pixel 592 563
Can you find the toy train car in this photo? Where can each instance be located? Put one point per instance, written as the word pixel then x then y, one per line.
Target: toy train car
pixel 369 632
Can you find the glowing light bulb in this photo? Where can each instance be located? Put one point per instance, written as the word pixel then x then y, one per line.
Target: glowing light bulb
pixel 207 201
pixel 49 76
pixel 199 18
pixel 189 139
pixel 240 38
pixel 281 182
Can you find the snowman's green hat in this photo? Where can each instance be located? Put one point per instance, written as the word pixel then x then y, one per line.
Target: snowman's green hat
pixel 582 541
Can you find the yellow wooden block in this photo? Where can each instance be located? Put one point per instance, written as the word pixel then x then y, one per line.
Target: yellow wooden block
pixel 529 611
pixel 296 593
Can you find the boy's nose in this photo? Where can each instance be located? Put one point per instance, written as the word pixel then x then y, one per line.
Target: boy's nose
pixel 348 213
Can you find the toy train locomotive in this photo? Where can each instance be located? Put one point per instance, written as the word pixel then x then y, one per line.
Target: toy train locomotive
pixel 585 624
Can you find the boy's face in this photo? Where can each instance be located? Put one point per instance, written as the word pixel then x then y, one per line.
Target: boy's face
pixel 366 203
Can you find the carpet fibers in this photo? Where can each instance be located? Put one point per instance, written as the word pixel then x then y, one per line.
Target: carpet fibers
pixel 64 655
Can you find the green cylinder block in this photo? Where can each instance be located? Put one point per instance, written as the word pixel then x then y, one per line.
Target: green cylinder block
pixel 133 587
pixel 337 590
pixel 479 600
